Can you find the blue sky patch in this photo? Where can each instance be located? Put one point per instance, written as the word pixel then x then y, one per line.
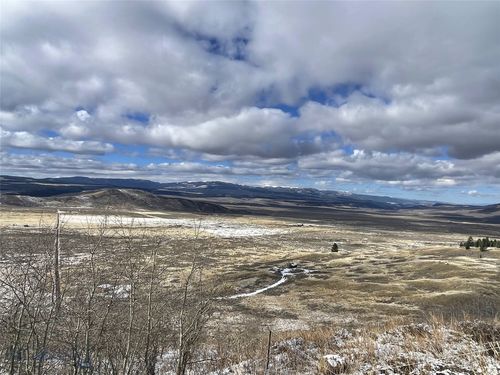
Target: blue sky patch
pixel 49 133
pixel 141 117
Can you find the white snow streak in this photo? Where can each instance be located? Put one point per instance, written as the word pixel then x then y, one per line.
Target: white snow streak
pixel 285 273
pixel 220 228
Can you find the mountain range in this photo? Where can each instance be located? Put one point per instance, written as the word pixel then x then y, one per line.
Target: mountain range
pixel 49 187
pixel 215 197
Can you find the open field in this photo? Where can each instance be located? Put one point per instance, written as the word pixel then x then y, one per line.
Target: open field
pixel 376 273
pixel 379 274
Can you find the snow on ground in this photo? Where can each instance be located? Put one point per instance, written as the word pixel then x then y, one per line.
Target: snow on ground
pixel 239 230
pixel 419 349
pixel 258 291
pixel 219 227
pixel 285 274
pixel 6 293
pixel 415 349
pixel 76 259
pixel 119 291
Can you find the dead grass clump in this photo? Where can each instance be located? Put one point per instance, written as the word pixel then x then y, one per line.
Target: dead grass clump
pixel 485 334
pixel 332 364
pixel 426 347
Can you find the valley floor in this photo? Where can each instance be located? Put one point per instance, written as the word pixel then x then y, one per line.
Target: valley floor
pixel 379 275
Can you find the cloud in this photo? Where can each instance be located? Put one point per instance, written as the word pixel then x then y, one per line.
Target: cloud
pixel 47 165
pixel 26 140
pixel 253 131
pixel 402 168
pixel 380 166
pixel 83 115
pixel 266 133
pixel 410 124
pixel 414 87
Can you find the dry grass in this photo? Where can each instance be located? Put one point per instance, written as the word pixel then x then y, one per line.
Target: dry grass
pixel 465 346
pixel 392 347
pixel 378 287
pixel 377 274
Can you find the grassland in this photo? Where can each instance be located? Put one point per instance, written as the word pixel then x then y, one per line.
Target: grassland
pixel 377 276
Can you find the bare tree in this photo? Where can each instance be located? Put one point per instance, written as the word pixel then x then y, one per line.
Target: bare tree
pixel 193 315
pixel 115 313
pixel 195 310
pixel 151 350
pixel 56 273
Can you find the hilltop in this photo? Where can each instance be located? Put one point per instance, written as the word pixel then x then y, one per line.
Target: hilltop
pixel 114 198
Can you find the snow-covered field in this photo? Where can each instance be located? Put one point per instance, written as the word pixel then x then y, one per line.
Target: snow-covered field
pixel 217 227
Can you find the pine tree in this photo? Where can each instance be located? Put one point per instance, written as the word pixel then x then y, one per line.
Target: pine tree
pixel 469 243
pixel 335 248
pixel 483 244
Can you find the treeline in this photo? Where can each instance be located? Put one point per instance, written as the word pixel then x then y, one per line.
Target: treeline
pixel 481 243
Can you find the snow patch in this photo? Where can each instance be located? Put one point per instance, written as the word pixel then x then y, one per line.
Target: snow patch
pixel 220 228
pixel 119 291
pixel 285 274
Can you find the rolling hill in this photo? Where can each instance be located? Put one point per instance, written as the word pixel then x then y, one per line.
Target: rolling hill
pixel 116 199
pixel 48 187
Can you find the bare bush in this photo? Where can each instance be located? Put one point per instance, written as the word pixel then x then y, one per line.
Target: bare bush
pixel 109 310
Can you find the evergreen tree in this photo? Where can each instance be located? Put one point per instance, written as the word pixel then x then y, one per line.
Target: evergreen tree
pixel 469 243
pixel 483 244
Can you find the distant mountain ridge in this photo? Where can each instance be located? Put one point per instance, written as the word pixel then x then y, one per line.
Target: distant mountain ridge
pixel 41 187
pixel 48 187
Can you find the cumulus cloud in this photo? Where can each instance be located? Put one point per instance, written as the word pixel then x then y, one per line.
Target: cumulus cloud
pixel 410 124
pixel 49 165
pixel 30 141
pixel 402 168
pixel 379 166
pixel 291 87
pixel 263 132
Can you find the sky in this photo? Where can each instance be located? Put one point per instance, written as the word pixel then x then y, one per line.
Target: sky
pixel 382 98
